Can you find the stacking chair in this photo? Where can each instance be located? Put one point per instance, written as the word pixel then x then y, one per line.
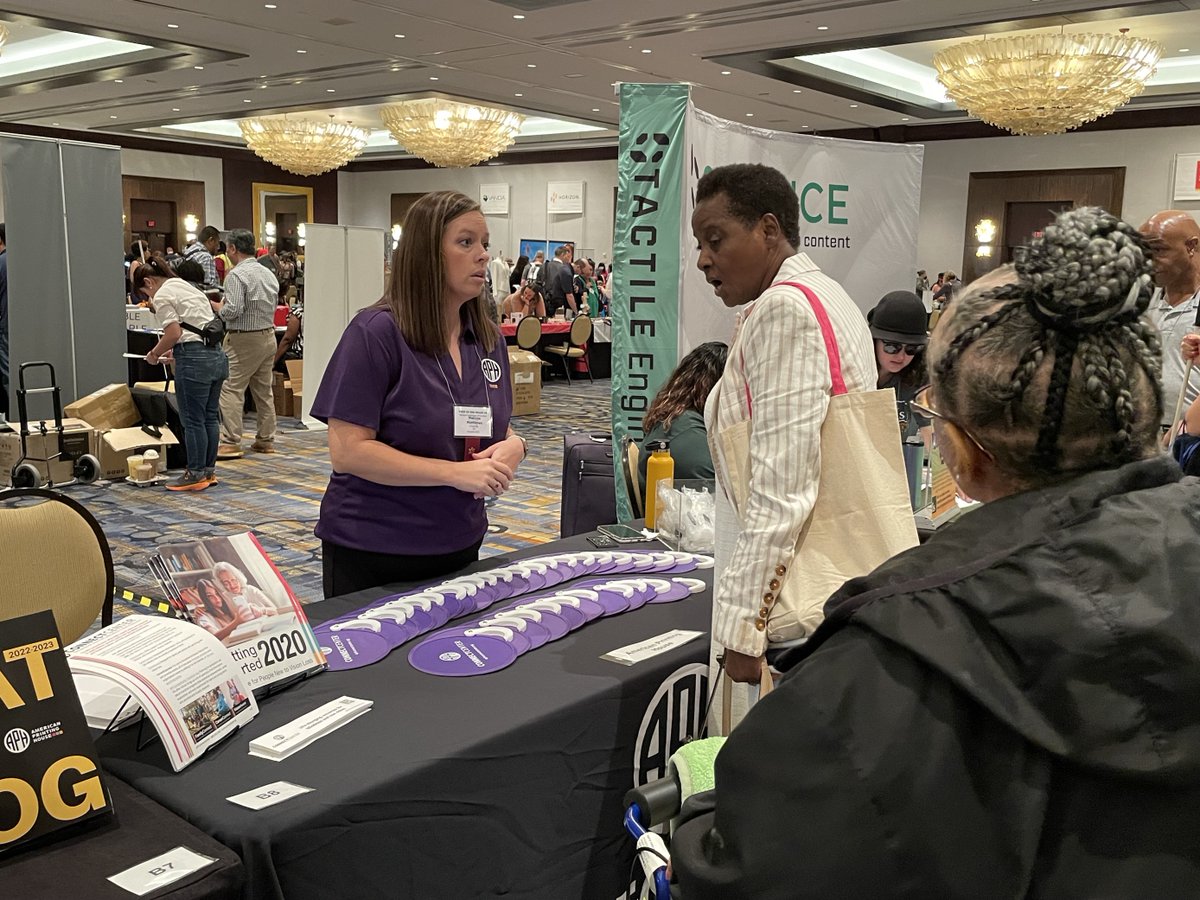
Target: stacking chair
pixel 54 556
pixel 629 467
pixel 581 333
pixel 529 333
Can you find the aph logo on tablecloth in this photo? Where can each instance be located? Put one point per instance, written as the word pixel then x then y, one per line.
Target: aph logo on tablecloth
pixel 674 716
pixel 491 370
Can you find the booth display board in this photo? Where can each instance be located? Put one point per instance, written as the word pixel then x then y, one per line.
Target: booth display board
pixel 343 273
pixel 859 211
pixel 51 774
pixel 493 199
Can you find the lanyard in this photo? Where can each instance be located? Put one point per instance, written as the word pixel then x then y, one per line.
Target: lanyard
pixel 470 422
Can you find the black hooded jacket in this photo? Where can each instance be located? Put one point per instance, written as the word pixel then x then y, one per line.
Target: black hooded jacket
pixel 1011 710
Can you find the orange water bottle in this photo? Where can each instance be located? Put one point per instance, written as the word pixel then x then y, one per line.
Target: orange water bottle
pixel 658 466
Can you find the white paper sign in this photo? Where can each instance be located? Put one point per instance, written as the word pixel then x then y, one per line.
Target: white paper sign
pixel 268 795
pixel 651 647
pixel 564 196
pixel 1187 176
pixel 161 870
pixel 493 199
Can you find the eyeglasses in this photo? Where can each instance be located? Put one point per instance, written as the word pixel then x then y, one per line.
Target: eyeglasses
pixel 920 404
pixel 893 347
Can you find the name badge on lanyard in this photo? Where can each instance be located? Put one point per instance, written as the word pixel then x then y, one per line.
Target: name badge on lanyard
pixel 472 421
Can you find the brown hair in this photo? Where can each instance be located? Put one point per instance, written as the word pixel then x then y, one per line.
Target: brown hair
pixel 688 387
pixel 153 267
pixel 414 295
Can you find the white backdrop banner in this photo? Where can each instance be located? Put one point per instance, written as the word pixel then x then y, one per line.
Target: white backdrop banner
pixel 859 208
pixel 564 196
pixel 493 199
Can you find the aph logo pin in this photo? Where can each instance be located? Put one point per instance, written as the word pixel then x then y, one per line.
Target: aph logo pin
pixel 491 370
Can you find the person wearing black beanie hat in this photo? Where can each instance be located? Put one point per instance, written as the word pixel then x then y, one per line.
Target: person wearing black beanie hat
pixel 898 326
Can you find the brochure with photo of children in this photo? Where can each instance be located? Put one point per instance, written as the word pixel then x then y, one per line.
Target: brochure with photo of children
pixel 230 588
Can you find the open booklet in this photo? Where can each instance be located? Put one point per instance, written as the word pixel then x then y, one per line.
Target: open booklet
pixel 230 588
pixel 181 677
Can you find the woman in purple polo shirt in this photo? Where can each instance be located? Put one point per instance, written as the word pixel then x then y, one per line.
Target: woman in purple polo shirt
pixel 417 398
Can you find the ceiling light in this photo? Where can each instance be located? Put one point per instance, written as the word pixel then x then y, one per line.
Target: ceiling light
pixel 451 134
pixel 55 124
pixel 726 72
pixel 397 35
pixel 822 28
pixel 170 25
pixel 595 109
pixel 518 16
pixel 531 65
pixel 270 5
pixel 749 115
pixel 330 91
pixel 518 95
pixel 1046 83
pixel 854 106
pixel 303 146
pixel 647 51
pixel 904 119
pixel 174 109
pixel 1185 50
pixel 198 68
pixel 796 90
pixel 433 78
pixel 301 51
pixel 247 101
pixel 118 81
pixel 112 117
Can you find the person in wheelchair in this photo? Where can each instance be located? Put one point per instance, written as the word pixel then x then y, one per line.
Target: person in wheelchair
pixel 1008 710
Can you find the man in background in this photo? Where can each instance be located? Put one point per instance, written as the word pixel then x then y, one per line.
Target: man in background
pixel 249 313
pixel 3 322
pixel 197 251
pixel 559 275
pixel 1174 239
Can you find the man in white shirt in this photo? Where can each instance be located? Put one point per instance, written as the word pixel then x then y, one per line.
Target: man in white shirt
pixel 1174 238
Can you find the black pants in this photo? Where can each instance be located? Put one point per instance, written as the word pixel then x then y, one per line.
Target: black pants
pixel 346 570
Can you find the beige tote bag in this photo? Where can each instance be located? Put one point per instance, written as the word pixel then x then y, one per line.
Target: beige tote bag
pixel 862 516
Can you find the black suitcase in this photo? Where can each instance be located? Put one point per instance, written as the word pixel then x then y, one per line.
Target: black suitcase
pixel 589 493
pixel 159 407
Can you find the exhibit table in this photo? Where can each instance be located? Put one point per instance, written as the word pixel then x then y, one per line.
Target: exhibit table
pixel 507 784
pixel 556 331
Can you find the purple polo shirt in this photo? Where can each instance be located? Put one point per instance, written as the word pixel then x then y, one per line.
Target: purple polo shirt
pixel 375 380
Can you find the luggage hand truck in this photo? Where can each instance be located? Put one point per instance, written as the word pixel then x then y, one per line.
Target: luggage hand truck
pixel 85 467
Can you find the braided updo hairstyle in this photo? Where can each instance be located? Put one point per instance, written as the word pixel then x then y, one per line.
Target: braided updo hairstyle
pixel 1052 368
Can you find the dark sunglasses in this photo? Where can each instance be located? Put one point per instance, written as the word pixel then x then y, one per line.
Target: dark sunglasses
pixel 893 347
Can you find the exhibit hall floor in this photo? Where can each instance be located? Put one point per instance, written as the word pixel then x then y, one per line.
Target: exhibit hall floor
pixel 278 497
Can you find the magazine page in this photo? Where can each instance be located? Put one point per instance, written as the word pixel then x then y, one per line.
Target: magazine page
pixel 230 588
pixel 181 676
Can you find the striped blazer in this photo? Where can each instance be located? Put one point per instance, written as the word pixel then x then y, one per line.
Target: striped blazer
pixel 777 377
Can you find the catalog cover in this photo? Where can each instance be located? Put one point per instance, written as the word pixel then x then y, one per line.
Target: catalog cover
pixel 48 765
pixel 231 589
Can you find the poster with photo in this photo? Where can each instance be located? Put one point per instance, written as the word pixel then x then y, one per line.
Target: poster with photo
pixel 230 588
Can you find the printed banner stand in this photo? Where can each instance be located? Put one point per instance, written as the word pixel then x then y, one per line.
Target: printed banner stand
pixel 859 211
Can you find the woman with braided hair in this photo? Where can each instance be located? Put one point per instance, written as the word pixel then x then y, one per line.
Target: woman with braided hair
pixel 1009 710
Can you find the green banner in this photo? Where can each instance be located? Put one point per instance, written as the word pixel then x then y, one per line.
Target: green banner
pixel 647 256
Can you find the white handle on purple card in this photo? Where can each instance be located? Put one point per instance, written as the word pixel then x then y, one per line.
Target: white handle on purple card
pixel 516 622
pixel 357 625
pixel 492 631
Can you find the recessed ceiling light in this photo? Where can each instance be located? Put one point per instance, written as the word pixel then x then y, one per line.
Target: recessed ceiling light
pixel 433 78
pixel 904 119
pixel 174 109
pixel 112 117
pixel 647 51
pixel 518 16
pixel 270 5
pixel 854 106
pixel 595 109
pixel 822 28
pixel 198 68
pixel 247 101
pixel 172 25
pixel 1184 50
pixel 301 51
pixel 795 90
pixel 518 95
pixel 118 81
pixel 726 72
pixel 330 91
pixel 531 65
pixel 749 115
pixel 397 35
pixel 54 123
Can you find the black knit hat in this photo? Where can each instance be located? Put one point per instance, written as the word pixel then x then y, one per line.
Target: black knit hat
pixel 900 316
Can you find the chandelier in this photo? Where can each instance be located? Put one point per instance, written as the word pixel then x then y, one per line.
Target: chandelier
pixel 1046 83
pixel 451 134
pixel 302 146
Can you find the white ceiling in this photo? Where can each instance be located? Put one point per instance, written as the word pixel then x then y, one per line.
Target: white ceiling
pixel 560 61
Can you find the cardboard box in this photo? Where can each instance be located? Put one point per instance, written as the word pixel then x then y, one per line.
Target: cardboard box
pixel 109 407
pixel 78 438
pixel 297 402
pixel 116 445
pixel 525 369
pixel 295 369
pixel 156 386
pixel 279 387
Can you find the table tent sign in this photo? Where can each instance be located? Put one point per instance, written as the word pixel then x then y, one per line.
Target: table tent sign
pixel 859 212
pixel 515 609
pixel 50 776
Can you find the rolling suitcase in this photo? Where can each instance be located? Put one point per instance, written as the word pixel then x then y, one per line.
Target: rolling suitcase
pixel 589 494
pixel 159 407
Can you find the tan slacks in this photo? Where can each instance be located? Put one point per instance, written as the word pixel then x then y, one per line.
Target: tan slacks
pixel 251 358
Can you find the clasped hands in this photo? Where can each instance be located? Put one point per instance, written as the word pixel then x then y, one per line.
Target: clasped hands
pixel 489 472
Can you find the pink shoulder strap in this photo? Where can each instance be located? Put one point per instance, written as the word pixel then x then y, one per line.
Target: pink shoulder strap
pixel 831 347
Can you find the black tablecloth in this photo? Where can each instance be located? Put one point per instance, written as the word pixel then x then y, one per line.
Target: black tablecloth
pixel 79 866
pixel 507 784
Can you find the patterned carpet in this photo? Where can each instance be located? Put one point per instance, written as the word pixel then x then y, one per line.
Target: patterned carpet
pixel 278 497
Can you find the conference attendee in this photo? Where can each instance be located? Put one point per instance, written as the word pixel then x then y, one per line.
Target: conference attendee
pixel 535 272
pixel 950 286
pixel 1174 239
pixel 677 413
pixel 417 398
pixel 241 592
pixel 248 309
pixel 3 321
pixel 922 282
pixel 559 273
pixel 291 342
pixel 516 278
pixel 746 223
pixel 198 252
pixel 898 328
pixel 139 252
pixel 200 370
pixel 526 301
pixel 1007 710
pixel 589 300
